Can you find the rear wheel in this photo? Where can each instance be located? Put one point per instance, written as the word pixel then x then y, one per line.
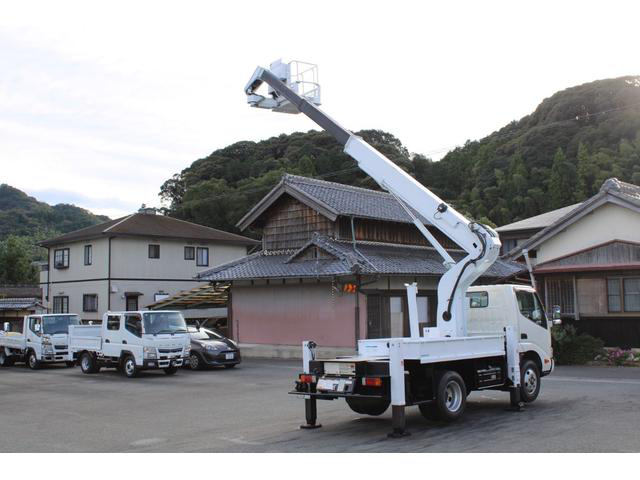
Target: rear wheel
pixel 368 406
pixel 129 367
pixel 170 370
pixel 530 381
pixel 5 360
pixel 32 360
pixel 88 363
pixel 451 399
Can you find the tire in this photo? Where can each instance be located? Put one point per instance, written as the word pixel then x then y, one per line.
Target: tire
pixel 170 370
pixel 368 406
pixel 194 362
pixel 5 360
pixel 451 399
pixel 88 363
pixel 231 365
pixel 129 367
pixel 529 381
pixel 32 360
pixel 70 364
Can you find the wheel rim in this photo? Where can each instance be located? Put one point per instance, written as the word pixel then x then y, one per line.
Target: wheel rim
pixel 85 363
pixel 453 396
pixel 194 362
pixel 530 381
pixel 129 367
pixel 32 360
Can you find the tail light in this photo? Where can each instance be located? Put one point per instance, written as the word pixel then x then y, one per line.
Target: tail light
pixel 306 378
pixel 372 381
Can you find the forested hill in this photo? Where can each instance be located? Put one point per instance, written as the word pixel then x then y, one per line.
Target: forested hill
pixel 25 216
pixel 558 155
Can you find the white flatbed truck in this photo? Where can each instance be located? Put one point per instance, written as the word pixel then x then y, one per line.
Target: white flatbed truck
pixel 132 342
pixel 508 347
pixel 44 339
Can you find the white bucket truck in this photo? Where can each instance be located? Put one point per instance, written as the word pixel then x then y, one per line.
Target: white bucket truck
pixel 44 340
pixel 132 342
pixel 493 337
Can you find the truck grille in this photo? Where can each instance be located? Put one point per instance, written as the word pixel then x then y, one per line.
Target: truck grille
pixel 169 350
pixel 60 347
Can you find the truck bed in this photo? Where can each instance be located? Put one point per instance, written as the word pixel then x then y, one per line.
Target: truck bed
pixel 85 337
pixel 12 340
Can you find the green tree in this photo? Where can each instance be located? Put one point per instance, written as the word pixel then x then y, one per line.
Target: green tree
pixel 16 266
pixel 587 171
pixel 562 182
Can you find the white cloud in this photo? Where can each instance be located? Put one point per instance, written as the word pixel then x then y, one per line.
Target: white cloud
pixel 108 101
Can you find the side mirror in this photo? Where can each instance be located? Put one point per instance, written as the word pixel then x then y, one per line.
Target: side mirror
pixel 7 327
pixel 37 328
pixel 557 315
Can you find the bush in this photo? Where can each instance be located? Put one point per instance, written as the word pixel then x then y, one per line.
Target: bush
pixel 571 348
pixel 618 357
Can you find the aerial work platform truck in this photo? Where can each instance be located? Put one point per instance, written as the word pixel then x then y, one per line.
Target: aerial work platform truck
pixel 487 337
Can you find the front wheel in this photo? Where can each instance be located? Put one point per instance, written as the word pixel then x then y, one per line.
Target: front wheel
pixel 170 370
pixel 32 361
pixel 194 362
pixel 529 381
pixel 129 367
pixel 368 406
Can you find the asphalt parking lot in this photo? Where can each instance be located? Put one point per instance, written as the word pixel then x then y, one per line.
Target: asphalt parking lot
pixel 247 409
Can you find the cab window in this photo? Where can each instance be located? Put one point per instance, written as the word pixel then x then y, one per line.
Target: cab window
pixel 133 324
pixel 530 307
pixel 33 321
pixel 478 299
pixel 113 322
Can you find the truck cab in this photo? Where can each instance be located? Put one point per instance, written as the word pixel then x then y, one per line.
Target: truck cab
pixel 132 342
pixel 44 339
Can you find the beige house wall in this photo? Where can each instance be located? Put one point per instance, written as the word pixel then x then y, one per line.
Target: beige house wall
pixel 606 223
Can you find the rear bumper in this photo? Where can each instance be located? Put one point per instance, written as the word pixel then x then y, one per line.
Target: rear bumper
pixel 333 395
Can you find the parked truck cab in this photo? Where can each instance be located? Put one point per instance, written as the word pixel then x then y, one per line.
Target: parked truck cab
pixel 132 342
pixel 44 339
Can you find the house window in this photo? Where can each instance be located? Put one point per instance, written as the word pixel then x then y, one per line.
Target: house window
pixel 88 254
pixel 560 292
pixel 203 257
pixel 154 251
pixel 623 294
pixel 189 253
pixel 132 303
pixel 61 258
pixel 61 304
pixel 90 302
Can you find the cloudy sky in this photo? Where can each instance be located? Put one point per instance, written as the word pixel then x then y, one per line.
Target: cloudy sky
pixel 101 103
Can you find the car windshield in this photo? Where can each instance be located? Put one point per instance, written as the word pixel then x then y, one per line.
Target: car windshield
pixel 204 334
pixel 55 324
pixel 163 322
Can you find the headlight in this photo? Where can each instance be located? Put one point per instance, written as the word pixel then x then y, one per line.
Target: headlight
pixel 46 340
pixel 232 342
pixel 149 352
pixel 187 350
pixel 211 348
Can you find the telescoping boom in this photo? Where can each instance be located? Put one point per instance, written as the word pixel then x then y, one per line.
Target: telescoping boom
pixel 480 242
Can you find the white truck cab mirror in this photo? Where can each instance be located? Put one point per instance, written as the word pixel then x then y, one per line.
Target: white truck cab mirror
pixel 557 315
pixel 37 327
pixel 7 327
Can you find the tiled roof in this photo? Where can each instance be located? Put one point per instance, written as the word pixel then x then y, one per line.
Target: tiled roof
pixel 612 190
pixel 18 303
pixel 371 258
pixel 149 225
pixel 333 200
pixel 539 221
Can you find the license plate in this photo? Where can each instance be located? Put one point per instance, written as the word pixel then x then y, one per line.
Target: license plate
pixel 230 356
pixel 335 385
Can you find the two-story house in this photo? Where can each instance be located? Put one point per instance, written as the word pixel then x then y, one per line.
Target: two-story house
pixel 332 269
pixel 131 262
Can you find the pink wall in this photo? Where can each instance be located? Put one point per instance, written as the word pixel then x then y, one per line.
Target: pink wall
pixel 289 314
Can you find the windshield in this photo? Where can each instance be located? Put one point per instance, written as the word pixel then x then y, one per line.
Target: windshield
pixel 55 324
pixel 163 322
pixel 204 334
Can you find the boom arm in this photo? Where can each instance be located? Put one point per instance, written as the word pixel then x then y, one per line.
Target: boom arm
pixel 480 242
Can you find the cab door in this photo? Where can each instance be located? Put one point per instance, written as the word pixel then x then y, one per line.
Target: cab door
pixel 112 336
pixel 533 323
pixel 33 334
